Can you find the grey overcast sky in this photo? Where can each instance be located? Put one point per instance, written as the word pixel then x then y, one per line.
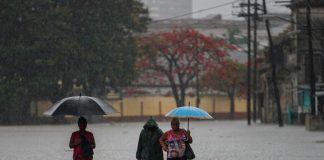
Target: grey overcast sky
pixel 228 11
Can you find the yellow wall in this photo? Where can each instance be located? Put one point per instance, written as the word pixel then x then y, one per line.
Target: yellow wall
pixel 39 107
pixel 158 105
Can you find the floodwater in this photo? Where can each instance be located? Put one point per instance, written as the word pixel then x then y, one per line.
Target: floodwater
pixel 213 140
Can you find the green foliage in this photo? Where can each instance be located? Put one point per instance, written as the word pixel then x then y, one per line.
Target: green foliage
pixel 235 36
pixel 103 31
pixel 24 53
pixel 74 42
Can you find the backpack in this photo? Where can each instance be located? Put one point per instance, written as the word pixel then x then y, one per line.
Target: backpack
pixel 86 147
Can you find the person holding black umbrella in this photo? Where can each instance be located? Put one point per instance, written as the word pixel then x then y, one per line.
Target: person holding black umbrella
pixel 82 142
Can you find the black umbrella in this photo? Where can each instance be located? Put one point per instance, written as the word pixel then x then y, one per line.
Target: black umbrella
pixel 80 105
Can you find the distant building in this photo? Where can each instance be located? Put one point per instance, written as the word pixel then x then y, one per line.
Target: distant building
pixel 161 9
pixel 302 58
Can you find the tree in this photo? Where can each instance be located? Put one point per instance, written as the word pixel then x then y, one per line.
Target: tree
pixel 49 46
pixel 27 41
pixel 177 57
pixel 228 78
pixel 101 51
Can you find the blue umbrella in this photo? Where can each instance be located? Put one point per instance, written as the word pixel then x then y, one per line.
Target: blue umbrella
pixel 189 112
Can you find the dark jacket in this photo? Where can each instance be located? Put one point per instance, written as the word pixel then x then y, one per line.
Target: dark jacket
pixel 148 147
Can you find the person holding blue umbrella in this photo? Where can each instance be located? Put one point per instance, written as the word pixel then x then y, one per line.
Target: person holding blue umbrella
pixel 177 146
pixel 188 112
pixel 174 141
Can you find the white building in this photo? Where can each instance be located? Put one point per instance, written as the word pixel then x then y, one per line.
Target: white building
pixel 161 9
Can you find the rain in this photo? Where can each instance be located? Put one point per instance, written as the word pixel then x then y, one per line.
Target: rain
pixel 246 74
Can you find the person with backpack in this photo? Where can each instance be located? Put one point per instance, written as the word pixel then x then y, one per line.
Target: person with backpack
pixel 82 142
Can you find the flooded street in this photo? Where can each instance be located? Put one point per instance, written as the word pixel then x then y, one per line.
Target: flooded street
pixel 126 60
pixel 213 140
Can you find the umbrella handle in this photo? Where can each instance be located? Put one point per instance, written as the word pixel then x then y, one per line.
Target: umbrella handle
pixel 188 118
pixel 188 123
pixel 79 103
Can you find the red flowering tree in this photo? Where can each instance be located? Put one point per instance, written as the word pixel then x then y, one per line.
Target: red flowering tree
pixel 229 78
pixel 175 58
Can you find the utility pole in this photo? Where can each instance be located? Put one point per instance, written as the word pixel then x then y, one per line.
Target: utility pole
pixel 273 64
pixel 310 58
pixel 249 65
pixel 255 50
pixel 248 97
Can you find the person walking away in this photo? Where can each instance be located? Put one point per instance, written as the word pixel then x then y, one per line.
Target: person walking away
pixel 82 142
pixel 148 147
pixel 174 141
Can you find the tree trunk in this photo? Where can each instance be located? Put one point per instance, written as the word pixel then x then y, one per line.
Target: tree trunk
pixel 176 95
pixel 183 96
pixel 19 114
pixel 232 105
pixel 25 112
pixel 62 92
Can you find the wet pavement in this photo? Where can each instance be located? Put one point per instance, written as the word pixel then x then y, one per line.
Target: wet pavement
pixel 213 140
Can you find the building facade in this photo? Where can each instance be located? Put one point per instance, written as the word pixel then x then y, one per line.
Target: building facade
pixel 299 13
pixel 292 59
pixel 161 9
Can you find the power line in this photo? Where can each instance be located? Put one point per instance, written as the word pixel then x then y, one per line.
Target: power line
pixel 198 11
